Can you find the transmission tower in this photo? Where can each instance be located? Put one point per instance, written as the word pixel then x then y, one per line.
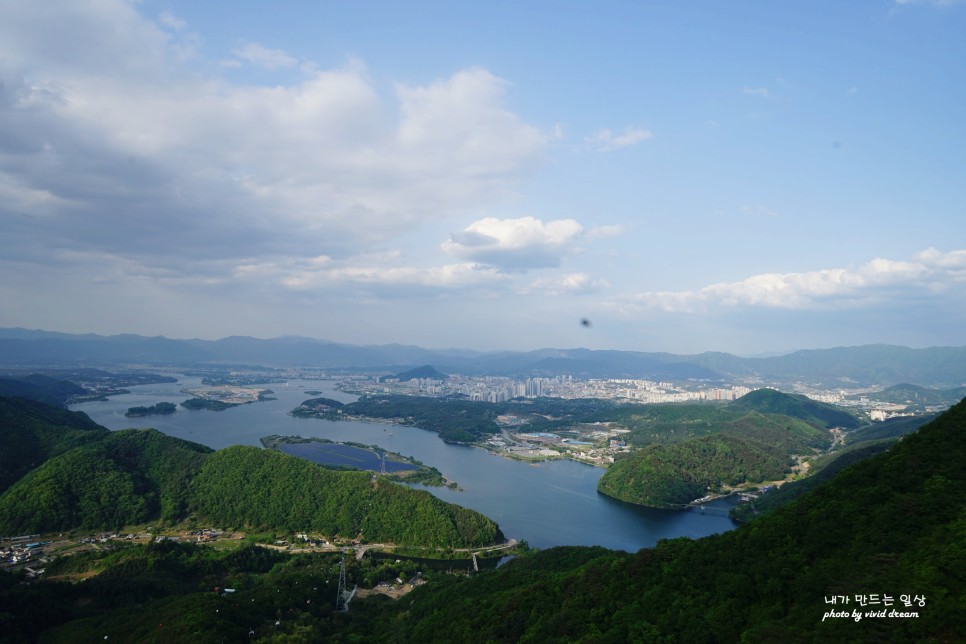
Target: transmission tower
pixel 345 596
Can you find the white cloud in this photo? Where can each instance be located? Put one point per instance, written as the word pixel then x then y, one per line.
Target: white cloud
pixel 264 57
pixel 605 139
pixel 113 144
pixel 931 271
pixel 515 244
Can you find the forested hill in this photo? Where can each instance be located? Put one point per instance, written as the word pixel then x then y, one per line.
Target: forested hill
pixel 31 432
pixel 271 489
pixel 754 447
pixel 66 472
pixel 891 526
pixel 771 401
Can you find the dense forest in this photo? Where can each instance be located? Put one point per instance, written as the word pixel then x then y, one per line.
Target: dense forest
pixel 455 420
pixel 890 527
pixel 459 420
pixel 32 432
pixel 753 448
pixel 205 403
pixel 885 536
pixel 161 408
pixel 269 489
pixel 66 472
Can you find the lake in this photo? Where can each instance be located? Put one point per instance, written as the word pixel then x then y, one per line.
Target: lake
pixel 547 504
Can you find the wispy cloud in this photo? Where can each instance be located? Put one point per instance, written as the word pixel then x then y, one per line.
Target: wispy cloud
pixel 569 284
pixel 171 21
pixel 606 139
pixel 929 272
pixel 760 92
pixel 264 57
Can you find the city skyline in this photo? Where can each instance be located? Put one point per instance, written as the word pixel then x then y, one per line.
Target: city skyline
pixel 747 178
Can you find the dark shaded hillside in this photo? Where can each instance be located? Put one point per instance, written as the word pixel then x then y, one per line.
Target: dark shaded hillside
pixel 426 371
pixel 51 391
pixel 891 525
pixel 771 401
pixel 890 428
pixel 31 432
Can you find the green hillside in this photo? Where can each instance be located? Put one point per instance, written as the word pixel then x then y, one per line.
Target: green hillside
pixel 770 401
pixel 456 421
pixel 128 477
pixel 31 432
pixel 891 525
pixel 753 448
pixel 241 486
pixel 111 479
pixel 890 528
pixel 889 428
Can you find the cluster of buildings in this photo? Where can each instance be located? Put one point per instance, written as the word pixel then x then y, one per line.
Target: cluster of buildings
pixel 497 389
pixel 23 552
pixel 596 443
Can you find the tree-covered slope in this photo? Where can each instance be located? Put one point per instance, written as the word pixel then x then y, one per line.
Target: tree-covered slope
pixel 51 391
pixel 889 428
pixel 892 525
pixel 262 488
pixel 752 448
pixel 31 432
pixel 456 421
pixel 128 477
pixel 771 401
pixel 64 472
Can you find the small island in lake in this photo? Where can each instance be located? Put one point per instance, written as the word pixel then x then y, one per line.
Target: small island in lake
pixel 154 410
pixel 356 456
pixel 206 403
pixel 221 397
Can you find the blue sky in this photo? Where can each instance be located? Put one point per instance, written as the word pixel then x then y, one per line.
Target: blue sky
pixel 749 177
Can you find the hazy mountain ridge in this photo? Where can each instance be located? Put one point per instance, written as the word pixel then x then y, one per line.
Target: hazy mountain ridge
pixel 941 367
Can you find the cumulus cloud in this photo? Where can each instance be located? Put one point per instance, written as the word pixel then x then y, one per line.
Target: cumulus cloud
pixel 929 272
pixel 515 244
pixel 114 143
pixel 606 139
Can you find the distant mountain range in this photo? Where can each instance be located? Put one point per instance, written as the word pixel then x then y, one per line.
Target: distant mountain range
pixel 942 367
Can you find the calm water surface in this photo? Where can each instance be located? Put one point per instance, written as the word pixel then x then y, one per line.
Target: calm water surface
pixel 548 504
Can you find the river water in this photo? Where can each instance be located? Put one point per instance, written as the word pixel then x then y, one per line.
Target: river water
pixel 548 504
